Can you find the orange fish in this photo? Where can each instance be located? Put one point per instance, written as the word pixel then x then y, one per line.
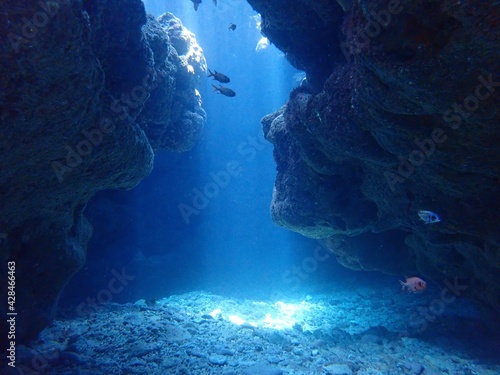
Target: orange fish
pixel 413 284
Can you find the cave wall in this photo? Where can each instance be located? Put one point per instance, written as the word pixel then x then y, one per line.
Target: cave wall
pixel 399 113
pixel 89 91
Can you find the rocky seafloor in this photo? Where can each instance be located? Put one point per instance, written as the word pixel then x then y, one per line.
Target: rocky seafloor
pixel 355 328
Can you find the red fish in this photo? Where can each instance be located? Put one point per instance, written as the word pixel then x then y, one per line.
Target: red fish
pixel 413 284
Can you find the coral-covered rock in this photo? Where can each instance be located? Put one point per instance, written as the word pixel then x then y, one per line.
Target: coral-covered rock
pixel 88 91
pixel 407 120
pixel 175 124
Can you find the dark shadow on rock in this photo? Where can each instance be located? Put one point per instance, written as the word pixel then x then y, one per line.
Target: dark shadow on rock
pixel 87 98
pixel 405 119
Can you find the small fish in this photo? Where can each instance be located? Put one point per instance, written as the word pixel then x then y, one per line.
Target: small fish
pixel 232 26
pixel 218 76
pixel 196 4
pixel 429 217
pixel 215 2
pixel 224 90
pixel 413 284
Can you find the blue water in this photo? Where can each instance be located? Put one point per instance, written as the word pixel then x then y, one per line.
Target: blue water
pixel 230 247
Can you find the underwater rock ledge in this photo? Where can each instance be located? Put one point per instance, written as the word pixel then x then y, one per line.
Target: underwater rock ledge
pixel 402 114
pixel 89 91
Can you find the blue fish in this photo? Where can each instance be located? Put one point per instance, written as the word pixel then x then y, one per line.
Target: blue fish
pixel 429 217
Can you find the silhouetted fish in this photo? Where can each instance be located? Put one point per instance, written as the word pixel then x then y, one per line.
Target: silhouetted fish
pixel 224 91
pixel 232 26
pixel 196 4
pixel 219 76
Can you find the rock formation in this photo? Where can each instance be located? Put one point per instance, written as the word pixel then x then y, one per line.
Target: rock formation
pixel 399 113
pixel 89 91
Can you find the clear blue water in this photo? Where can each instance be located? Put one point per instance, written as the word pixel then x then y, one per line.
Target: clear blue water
pixel 231 244
pixel 232 248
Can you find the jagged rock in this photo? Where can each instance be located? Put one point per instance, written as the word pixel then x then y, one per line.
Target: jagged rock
pixel 307 31
pixel 88 91
pixel 406 118
pixel 177 125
